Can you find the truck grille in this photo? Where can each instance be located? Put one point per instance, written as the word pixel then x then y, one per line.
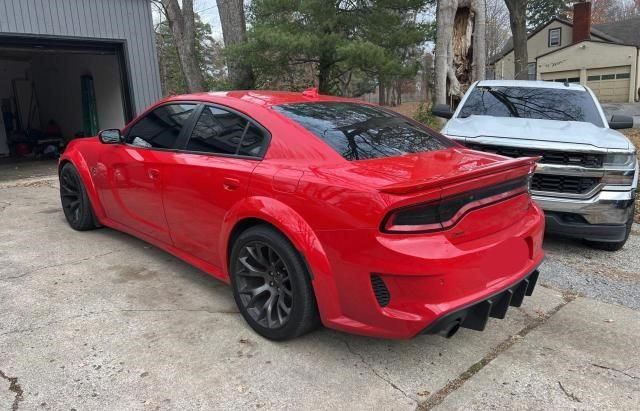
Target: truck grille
pixel 563 184
pixel 548 156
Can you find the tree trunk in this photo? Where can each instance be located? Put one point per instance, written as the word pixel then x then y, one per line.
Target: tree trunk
pixel 518 20
pixel 381 94
pixel 445 14
pixel 479 64
pixel 182 24
pixel 234 31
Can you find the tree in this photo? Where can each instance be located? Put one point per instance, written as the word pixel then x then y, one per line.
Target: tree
pixel 182 24
pixel 539 12
pixel 209 56
pixel 518 22
pixel 498 29
pixel 460 46
pixel 234 31
pixel 294 44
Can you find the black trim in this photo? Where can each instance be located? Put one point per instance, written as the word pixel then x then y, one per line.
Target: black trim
pixel 475 316
pixel 36 42
pixel 549 45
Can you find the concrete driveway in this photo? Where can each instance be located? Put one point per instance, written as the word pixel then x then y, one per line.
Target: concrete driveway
pixel 100 320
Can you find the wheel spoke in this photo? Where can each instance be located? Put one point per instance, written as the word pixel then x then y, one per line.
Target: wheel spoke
pixel 257 256
pixel 252 269
pixel 264 284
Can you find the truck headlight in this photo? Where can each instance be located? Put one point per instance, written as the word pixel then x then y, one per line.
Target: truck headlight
pixel 620 159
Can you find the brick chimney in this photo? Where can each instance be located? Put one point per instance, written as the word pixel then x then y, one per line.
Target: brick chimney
pixel 581 21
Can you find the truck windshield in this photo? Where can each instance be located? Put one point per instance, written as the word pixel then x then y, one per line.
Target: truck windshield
pixel 532 102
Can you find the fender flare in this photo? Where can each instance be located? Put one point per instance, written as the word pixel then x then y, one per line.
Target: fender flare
pixel 74 157
pixel 301 235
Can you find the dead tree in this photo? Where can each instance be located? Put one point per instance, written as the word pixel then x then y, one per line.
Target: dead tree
pixel 460 56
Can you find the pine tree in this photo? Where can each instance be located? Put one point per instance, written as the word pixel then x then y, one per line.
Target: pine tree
pixel 540 12
pixel 295 44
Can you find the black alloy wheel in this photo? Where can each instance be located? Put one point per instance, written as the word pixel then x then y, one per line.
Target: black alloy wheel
pixel 264 285
pixel 271 284
pixel 75 202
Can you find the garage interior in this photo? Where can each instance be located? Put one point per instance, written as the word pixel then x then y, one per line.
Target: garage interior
pixel 54 91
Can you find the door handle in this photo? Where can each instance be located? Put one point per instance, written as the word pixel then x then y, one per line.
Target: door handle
pixel 231 183
pixel 153 173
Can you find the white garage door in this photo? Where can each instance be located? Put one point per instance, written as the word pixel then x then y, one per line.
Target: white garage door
pixel 571 76
pixel 611 85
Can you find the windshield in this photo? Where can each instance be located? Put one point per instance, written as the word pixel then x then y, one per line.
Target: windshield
pixel 531 102
pixel 361 132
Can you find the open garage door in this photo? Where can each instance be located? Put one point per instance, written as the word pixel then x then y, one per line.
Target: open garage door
pixel 610 85
pixel 54 90
pixel 571 76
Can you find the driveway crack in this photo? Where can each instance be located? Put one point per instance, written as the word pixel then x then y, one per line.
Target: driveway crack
pixel 569 395
pixel 72 262
pixel 15 388
pixel 374 371
pixel 623 372
pixel 453 385
pixel 150 310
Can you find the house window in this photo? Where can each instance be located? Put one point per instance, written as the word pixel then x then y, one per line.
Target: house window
pixel 555 37
pixel 622 76
pixel 531 71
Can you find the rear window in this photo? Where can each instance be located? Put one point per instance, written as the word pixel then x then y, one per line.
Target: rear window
pixel 532 102
pixel 360 132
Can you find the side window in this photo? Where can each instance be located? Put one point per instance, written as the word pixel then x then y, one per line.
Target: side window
pixel 161 127
pixel 222 132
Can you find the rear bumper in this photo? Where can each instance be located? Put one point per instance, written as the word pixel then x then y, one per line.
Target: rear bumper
pixel 475 316
pixel 397 286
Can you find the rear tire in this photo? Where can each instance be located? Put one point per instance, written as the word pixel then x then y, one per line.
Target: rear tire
pixel 75 201
pixel 271 285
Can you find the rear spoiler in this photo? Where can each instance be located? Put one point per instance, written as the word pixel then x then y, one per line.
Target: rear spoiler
pixel 420 185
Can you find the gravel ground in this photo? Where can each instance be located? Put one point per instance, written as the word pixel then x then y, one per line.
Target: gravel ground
pixel 606 276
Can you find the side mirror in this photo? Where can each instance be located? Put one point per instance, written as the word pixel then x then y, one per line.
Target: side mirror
pixel 442 110
pixel 110 136
pixel 618 121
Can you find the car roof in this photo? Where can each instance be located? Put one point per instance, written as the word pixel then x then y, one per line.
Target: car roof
pixel 530 83
pixel 262 98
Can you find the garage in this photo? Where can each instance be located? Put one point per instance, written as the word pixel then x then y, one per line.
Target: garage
pixel 67 69
pixel 611 84
pixel 54 91
pixel 571 76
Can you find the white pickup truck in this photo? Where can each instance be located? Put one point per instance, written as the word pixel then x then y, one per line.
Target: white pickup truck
pixel 587 177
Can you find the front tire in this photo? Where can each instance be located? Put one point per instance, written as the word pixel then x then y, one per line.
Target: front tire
pixel 271 285
pixel 75 201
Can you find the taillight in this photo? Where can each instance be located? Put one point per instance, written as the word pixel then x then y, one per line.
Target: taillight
pixel 446 212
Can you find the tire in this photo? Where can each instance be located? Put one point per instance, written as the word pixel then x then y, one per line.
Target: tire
pixel 75 202
pixel 615 246
pixel 267 273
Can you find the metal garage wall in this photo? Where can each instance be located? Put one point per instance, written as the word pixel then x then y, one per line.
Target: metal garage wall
pixel 128 20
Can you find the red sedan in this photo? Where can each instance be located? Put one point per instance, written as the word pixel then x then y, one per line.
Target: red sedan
pixel 317 209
